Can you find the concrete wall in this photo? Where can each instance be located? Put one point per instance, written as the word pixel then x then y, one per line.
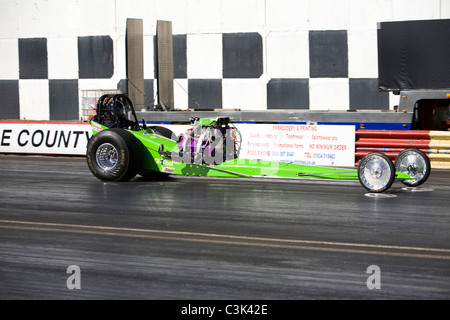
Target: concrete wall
pixel 246 54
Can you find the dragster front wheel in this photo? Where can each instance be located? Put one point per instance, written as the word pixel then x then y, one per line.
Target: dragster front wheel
pixel 376 172
pixel 415 163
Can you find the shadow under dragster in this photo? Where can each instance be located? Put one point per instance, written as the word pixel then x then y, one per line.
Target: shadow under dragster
pixel 121 148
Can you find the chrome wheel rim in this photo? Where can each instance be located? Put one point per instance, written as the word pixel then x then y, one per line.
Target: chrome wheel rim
pixel 376 173
pixel 413 164
pixel 106 156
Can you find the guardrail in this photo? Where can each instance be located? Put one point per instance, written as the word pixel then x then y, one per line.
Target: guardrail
pixel 436 144
pixel 440 149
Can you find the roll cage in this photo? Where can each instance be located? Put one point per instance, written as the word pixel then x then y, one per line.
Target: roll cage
pixel 117 111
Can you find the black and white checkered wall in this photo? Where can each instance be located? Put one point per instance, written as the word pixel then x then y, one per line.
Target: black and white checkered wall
pixel 236 71
pixel 40 92
pixel 218 71
pixel 228 54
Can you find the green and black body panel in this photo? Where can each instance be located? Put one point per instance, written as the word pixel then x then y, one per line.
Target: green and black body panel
pixel 161 154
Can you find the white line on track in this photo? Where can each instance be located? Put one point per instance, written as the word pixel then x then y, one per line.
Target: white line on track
pixel 362 248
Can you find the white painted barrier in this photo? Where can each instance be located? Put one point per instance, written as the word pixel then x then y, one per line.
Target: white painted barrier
pixel 36 137
pixel 322 145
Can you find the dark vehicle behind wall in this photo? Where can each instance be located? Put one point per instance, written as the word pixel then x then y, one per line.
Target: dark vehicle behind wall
pixel 414 62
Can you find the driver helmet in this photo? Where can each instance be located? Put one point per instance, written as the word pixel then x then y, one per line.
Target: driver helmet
pixel 120 109
pixel 109 104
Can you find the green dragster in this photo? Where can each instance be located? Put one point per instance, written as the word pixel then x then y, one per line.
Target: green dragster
pixel 120 149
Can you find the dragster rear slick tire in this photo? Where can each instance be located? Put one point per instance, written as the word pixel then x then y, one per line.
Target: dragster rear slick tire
pixel 114 155
pixel 376 172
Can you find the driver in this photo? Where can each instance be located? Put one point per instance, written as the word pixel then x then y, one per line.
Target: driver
pixel 107 118
pixel 112 120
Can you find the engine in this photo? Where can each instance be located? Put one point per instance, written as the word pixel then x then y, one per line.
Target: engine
pixel 210 141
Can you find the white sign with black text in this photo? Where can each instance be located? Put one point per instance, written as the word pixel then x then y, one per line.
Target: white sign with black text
pixel 44 138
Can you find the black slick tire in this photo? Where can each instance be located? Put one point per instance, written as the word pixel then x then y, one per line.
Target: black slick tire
pixel 114 155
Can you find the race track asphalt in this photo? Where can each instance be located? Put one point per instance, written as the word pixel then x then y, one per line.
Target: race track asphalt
pixel 214 239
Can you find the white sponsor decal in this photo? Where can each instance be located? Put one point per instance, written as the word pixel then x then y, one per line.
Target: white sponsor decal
pixel 324 145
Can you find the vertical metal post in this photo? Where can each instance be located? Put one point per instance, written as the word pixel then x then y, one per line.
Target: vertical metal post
pixel 135 62
pixel 165 64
